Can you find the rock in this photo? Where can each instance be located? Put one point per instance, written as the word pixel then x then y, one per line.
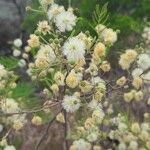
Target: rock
pixel 11 16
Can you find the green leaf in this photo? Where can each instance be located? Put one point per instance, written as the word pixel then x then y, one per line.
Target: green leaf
pixel 23 90
pixel 86 7
pixel 84 25
pixel 100 15
pixel 125 23
pixel 9 62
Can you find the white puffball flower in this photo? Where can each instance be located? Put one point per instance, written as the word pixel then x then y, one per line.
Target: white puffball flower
pixel 54 10
pixel 74 49
pixel 92 137
pixel 18 43
pixel 22 63
pixel 122 146
pixel 144 61
pixel 65 21
pixel 9 147
pixel 98 115
pixel 45 57
pixel 109 36
pixel 9 106
pixel 71 103
pixel 146 77
pixel 137 72
pixel 3 71
pixel 16 53
pixel 94 105
pixel 133 145
pixel 81 144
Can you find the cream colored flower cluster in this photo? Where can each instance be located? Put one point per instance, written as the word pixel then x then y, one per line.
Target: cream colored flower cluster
pixel 76 78
pixel 130 135
pixel 10 115
pixel 146 36
pixel 11 109
pixel 7 79
pixel 9 106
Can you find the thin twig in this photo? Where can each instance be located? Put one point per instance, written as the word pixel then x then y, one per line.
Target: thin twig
pixel 66 130
pixel 46 131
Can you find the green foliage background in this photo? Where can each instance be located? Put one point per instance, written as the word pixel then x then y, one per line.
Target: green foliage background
pixel 125 15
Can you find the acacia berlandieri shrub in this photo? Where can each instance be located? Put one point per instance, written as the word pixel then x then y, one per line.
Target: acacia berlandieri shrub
pixel 72 70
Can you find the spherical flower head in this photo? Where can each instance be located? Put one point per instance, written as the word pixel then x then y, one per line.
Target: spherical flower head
pixel 86 39
pixel 89 123
pixel 128 97
pixel 81 144
pixel 100 49
pixel 93 70
pixel 9 106
pixel 34 41
pixel 71 103
pixel 122 146
pixel 105 66
pixel 74 49
pixel 145 126
pixel 144 61
pixel 9 147
pixel 72 80
pixel 22 63
pixel 80 131
pixel 3 71
pixel 135 128
pixel 99 28
pixel 55 88
pixel 133 145
pixel 36 120
pixel 18 43
pixel 124 62
pixel 94 105
pixel 16 53
pixel 98 95
pixel 131 54
pixel 92 137
pixel 65 21
pixel 85 86
pixel 122 126
pixel 138 96
pixel 109 36
pixel 60 118
pixel 121 81
pixel 59 78
pixel 99 83
pixel 101 87
pixel 127 59
pixel 98 115
pixel 43 27
pixel 97 147
pixel 137 72
pixel 17 125
pixel 54 10
pixel 45 57
pixel 3 142
pixel 137 82
pixel 144 135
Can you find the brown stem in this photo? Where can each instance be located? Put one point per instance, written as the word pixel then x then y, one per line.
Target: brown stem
pixel 46 131
pixel 66 131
